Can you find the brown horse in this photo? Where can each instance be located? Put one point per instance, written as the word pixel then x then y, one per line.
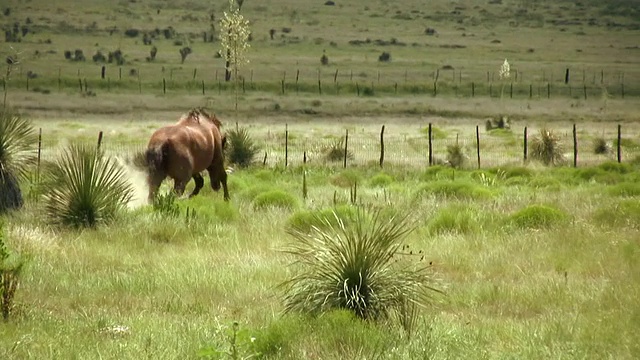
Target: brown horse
pixel 183 150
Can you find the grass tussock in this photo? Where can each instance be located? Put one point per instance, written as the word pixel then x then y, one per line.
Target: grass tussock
pixel 275 198
pixel 346 178
pixel 538 217
pixel 624 189
pixel 459 189
pixel 458 219
pixel 381 180
pixel 304 221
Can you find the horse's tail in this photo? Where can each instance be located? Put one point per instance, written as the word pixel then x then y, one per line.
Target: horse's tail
pixel 156 158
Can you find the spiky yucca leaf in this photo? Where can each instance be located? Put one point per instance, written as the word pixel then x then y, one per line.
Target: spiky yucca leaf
pixel 85 187
pixel 17 154
pixel 546 147
pixel 242 149
pixel 358 267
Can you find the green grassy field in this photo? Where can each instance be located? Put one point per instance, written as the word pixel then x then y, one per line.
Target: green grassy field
pixel 535 262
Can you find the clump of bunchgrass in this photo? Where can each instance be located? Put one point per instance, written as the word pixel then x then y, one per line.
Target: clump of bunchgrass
pixel 17 155
pixel 275 198
pixel 241 149
pixel 454 189
pixel 304 221
pixel 538 217
pixel 547 148
pixel 458 218
pixel 346 178
pixel 624 189
pixel 381 180
pixel 358 266
pixel 166 204
pixel 86 188
pixel 625 212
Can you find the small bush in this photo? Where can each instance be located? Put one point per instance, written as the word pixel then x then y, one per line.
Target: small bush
pixel 538 216
pixel 519 171
pixel 275 198
pixel 616 167
pixel 384 57
pixel 546 147
pixel 241 149
pixel 381 180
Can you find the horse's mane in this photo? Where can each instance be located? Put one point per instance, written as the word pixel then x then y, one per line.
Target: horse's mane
pixel 195 114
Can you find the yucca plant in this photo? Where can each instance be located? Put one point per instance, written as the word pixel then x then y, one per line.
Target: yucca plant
pixel 546 147
pixel 17 155
pixel 455 155
pixel 335 151
pixel 357 265
pixel 600 146
pixel 242 149
pixel 86 188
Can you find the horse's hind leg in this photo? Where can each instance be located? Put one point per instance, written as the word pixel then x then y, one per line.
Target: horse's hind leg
pixel 178 186
pixel 218 176
pixel 199 180
pixel 154 181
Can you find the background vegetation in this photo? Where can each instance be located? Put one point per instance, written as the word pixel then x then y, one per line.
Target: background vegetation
pixel 534 261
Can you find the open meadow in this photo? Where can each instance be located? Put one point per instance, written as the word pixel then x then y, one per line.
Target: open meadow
pixel 516 244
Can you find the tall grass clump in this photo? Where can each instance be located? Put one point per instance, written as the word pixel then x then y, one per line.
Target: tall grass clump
pixel 10 270
pixel 623 213
pixel 458 218
pixel 241 149
pixel 454 189
pixel 85 188
pixel 17 155
pixel 381 180
pixel 275 198
pixel 547 148
pixel 304 221
pixel 537 217
pixel 358 267
pixel 335 151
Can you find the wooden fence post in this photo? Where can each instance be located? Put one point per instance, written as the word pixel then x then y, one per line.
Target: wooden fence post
pixel 575 145
pixel 525 144
pixel 346 148
pixel 548 90
pixel 382 146
pixel 103 70
pixel 430 146
pixel 99 139
pixel 39 155
pixel 473 89
pixel 202 87
pixel 164 86
pixel 286 145
pixel 619 145
pixel 478 144
pixel 297 76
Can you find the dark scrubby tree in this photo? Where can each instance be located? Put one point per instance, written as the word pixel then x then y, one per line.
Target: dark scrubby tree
pixel 78 55
pixel 324 59
pixel 384 57
pixel 152 54
pixel 184 52
pixel 116 56
pixel 272 33
pixel 132 32
pixel 99 57
pixel 67 54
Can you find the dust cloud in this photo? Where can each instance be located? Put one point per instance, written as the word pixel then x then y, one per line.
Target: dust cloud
pixel 138 181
